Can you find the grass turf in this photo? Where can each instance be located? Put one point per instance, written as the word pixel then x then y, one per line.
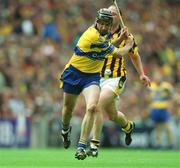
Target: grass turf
pixel 108 158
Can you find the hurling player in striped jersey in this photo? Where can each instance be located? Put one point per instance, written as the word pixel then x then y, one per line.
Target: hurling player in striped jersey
pixel 112 84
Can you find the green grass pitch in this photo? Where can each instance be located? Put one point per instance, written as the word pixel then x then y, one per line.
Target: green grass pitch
pixel 108 158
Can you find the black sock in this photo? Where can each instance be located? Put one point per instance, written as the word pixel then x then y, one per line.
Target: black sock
pixel 95 142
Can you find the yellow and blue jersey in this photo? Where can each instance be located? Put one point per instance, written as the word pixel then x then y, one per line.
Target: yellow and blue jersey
pixel 161 95
pixel 91 51
pixel 116 65
pixel 85 66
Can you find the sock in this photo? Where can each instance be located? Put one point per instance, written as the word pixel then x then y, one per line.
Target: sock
pixel 82 144
pixel 128 127
pixel 94 143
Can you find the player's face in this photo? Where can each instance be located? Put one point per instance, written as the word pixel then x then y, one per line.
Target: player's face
pixel 103 27
pixel 114 13
pixel 115 17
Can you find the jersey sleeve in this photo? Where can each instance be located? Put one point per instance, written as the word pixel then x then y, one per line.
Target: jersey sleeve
pixel 134 49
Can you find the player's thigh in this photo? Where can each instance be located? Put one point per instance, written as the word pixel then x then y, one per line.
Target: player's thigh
pixel 114 84
pixel 107 102
pixel 107 97
pixel 91 95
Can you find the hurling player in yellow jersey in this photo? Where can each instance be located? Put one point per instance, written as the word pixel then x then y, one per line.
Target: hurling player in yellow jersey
pixel 161 99
pixel 112 83
pixel 82 75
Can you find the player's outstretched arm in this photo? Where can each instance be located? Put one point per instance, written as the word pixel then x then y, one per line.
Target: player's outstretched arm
pixel 136 60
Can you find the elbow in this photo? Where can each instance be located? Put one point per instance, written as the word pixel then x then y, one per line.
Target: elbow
pixel 133 56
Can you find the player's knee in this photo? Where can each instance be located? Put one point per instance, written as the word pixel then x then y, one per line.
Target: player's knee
pixel 92 108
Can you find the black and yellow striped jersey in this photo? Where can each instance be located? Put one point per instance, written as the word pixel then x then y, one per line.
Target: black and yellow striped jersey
pixel 115 67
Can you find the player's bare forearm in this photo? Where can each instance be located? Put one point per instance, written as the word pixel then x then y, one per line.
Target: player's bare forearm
pixel 122 51
pixel 117 42
pixel 125 50
pixel 136 60
pixel 124 35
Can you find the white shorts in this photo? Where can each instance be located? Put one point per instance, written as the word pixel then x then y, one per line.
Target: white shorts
pixel 115 84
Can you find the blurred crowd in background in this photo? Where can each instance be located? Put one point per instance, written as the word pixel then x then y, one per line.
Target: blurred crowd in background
pixel 37 39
